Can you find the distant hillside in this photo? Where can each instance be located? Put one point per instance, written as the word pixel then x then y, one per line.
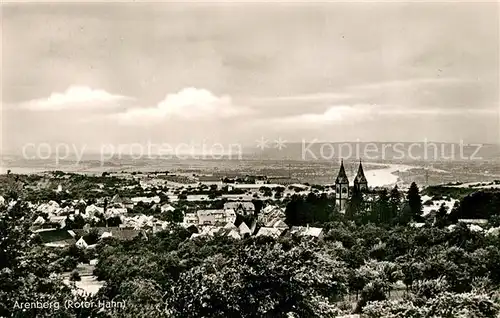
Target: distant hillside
pixel 377 151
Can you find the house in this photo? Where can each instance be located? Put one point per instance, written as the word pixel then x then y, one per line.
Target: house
pixel 92 210
pixel 244 229
pixel 116 202
pixel 271 213
pixel 211 217
pixel 139 221
pixel 269 231
pixel 230 216
pixel 52 207
pixel 113 212
pixel 155 199
pixel 190 219
pixel 81 243
pixel 234 234
pixel 59 219
pixel 230 226
pixel 316 232
pixel 167 208
pixel 244 208
pixel 39 221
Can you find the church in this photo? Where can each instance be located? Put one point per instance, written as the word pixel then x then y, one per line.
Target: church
pixel 342 192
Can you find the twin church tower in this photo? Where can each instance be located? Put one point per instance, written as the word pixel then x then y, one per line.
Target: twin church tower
pixel 342 194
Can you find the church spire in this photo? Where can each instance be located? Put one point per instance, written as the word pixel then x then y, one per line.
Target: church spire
pixel 360 180
pixel 342 176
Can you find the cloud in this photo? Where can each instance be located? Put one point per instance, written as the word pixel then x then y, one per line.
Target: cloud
pixel 189 104
pixel 342 114
pixel 75 97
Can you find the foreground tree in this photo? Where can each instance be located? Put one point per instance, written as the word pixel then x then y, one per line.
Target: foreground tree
pixel 24 272
pixel 414 202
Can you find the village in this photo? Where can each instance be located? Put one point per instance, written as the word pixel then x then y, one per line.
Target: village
pixel 206 205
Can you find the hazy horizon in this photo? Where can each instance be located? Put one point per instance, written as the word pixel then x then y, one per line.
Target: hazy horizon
pixel 124 73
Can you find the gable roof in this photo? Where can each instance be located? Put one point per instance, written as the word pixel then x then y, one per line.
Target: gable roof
pixel 244 229
pixel 269 231
pixel 116 199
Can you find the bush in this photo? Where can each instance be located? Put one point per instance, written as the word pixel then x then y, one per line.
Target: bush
pixel 75 276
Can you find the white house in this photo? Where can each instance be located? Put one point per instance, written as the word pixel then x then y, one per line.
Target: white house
pixel 39 221
pixel 81 243
pixel 244 229
pixel 190 219
pixel 167 208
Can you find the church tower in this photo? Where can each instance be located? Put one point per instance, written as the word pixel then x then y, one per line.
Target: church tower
pixel 360 181
pixel 341 188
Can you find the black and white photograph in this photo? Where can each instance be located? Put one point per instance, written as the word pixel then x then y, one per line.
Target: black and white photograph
pixel 249 159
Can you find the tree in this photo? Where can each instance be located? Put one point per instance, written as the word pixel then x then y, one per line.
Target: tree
pixel 269 280
pixel 75 276
pixel 175 216
pixel 395 201
pixel 441 216
pixel 355 206
pixel 382 209
pixel 25 276
pixel 414 202
pixel 258 204
pixel 163 198
pixel 78 222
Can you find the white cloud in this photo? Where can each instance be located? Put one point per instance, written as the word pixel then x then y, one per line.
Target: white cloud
pixel 361 112
pixel 75 97
pixel 188 104
pixel 337 113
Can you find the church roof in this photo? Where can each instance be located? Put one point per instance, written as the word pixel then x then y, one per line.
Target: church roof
pixel 360 177
pixel 342 177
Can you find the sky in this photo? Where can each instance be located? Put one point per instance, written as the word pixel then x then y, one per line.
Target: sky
pixel 139 72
